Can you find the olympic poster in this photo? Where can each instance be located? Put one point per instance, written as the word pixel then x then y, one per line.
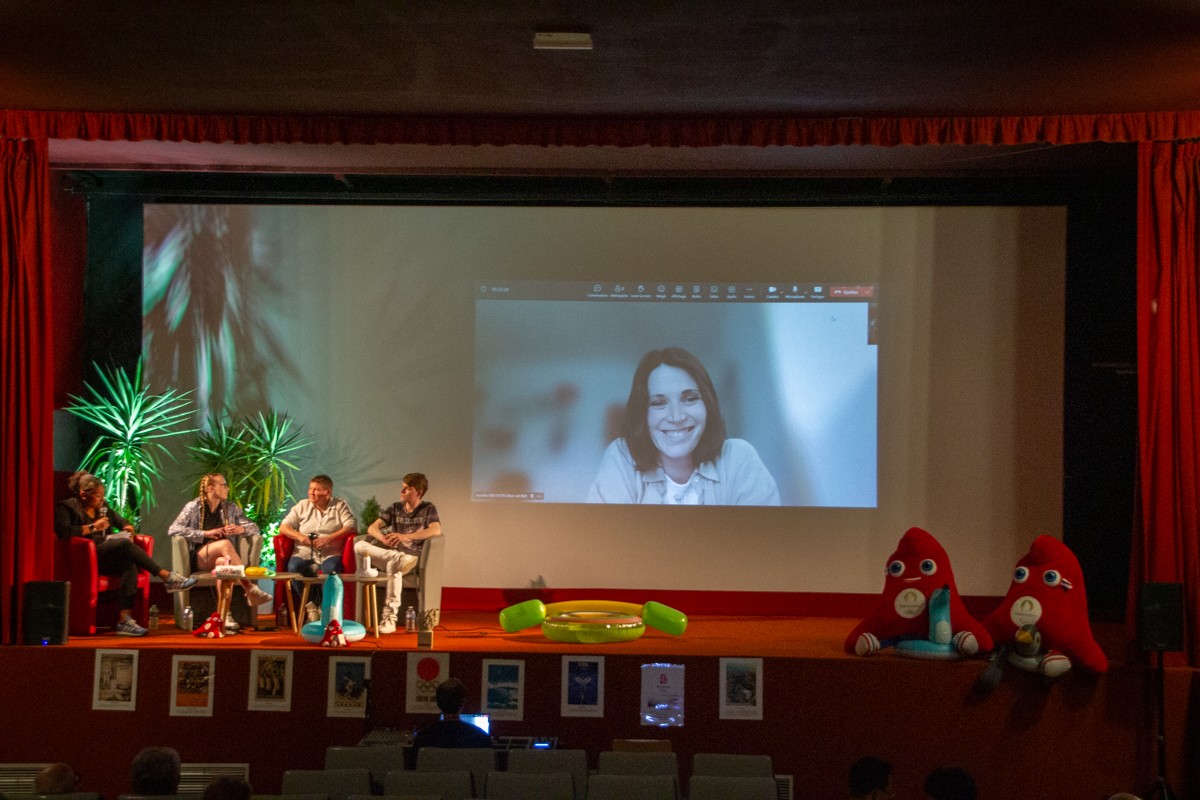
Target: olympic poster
pixel 503 688
pixel 741 688
pixel 114 685
pixel 270 680
pixel 662 695
pixel 425 672
pixel 347 692
pixel 193 679
pixel 582 686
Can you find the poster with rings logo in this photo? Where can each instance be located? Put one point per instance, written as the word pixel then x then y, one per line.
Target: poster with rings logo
pixel 425 672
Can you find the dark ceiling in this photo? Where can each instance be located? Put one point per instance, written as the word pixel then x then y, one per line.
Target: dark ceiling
pixel 827 58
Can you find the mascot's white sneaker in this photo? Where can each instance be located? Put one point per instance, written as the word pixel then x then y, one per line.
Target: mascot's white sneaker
pixel 966 643
pixel 866 645
pixel 1054 664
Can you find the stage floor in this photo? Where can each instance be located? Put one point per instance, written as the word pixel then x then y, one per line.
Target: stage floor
pixel 480 632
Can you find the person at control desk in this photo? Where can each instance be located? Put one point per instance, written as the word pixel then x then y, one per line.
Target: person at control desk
pixel 394 541
pixel 319 526
pixel 450 731
pixel 674 449
pixel 87 515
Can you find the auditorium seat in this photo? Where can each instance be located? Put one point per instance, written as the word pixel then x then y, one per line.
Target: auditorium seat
pixel 732 765
pixel 338 784
pixel 641 745
pixel 380 760
pixel 572 761
pixel 454 785
pixel 530 786
pixel 631 787
pixel 479 761
pixel 613 762
pixel 93 601
pixel 724 787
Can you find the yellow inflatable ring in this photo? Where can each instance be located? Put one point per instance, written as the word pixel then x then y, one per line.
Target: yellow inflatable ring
pixel 533 612
pixel 593 627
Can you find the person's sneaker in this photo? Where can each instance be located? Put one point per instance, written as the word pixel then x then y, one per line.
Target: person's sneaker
pixel 231 627
pixel 129 627
pixel 387 624
pixel 257 597
pixel 312 611
pixel 177 583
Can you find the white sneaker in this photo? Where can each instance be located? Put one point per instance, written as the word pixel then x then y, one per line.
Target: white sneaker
pixel 257 597
pixel 232 628
pixel 312 611
pixel 387 625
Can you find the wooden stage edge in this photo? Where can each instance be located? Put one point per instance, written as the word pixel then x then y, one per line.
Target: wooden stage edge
pixel 1079 736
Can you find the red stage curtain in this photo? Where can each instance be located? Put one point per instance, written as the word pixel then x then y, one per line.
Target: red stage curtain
pixel 782 131
pixel 1166 545
pixel 26 382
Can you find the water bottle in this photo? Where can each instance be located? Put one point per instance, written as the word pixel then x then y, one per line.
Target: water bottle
pixel 153 618
pixel 410 620
pixel 281 617
pixel 187 623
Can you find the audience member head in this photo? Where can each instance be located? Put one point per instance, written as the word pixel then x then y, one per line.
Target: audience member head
pixel 227 788
pixel 418 481
pixel 155 771
pixel 55 779
pixel 950 783
pixel 871 777
pixel 451 695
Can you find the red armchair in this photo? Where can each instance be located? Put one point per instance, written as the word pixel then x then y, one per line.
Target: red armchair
pixel 93 600
pixel 283 551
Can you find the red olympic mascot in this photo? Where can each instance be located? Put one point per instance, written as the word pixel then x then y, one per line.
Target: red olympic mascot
pixel 1043 620
pixel 917 569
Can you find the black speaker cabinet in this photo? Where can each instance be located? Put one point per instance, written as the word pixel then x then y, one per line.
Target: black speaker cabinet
pixel 46 612
pixel 1160 617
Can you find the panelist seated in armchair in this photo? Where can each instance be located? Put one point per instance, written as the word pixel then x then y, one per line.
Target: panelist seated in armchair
pixel 207 523
pixel 394 541
pixel 319 526
pixel 86 515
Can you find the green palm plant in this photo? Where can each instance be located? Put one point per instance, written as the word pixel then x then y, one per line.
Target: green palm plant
pixel 272 444
pixel 223 449
pixel 135 423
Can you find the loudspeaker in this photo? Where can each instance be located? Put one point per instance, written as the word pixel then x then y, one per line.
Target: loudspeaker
pixel 46 612
pixel 1160 617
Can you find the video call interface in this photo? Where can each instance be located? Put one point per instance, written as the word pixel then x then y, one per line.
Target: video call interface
pixel 794 379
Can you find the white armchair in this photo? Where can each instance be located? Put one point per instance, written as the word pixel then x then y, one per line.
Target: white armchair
pixel 426 579
pixel 249 549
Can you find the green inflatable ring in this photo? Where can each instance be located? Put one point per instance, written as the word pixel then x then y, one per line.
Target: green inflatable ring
pixel 593 627
pixel 524 615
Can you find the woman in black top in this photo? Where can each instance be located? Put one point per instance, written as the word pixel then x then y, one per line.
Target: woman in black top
pixel 85 514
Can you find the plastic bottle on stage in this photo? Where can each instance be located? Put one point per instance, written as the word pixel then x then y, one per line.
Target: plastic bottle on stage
pixel 187 623
pixel 154 618
pixel 410 620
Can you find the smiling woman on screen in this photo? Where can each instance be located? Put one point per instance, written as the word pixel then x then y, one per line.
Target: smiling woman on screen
pixel 673 450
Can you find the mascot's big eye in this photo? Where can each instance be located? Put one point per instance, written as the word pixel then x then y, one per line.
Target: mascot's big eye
pixel 928 566
pixel 896 568
pixel 1051 577
pixel 1020 574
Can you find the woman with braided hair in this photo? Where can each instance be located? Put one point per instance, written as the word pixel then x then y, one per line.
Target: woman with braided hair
pixel 207 523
